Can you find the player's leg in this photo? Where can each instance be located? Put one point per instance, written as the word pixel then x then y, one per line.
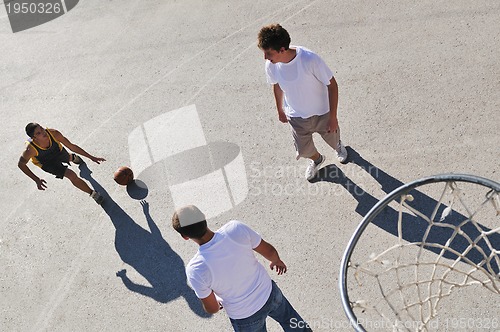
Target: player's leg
pixel 82 185
pixel 61 170
pixel 283 312
pixel 332 137
pixel 254 323
pixel 302 130
pixel 65 157
pixel 57 167
pixel 77 182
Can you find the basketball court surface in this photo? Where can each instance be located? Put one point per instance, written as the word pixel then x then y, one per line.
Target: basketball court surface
pixel 176 90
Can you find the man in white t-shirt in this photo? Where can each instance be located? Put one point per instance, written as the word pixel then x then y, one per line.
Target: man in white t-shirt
pixel 225 273
pixel 306 95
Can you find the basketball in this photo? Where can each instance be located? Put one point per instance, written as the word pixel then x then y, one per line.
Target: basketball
pixel 123 175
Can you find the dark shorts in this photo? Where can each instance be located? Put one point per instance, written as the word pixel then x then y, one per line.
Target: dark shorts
pixel 55 166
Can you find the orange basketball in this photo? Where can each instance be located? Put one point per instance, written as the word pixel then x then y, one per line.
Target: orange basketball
pixel 123 175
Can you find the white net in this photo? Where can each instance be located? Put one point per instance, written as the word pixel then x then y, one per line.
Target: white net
pixel 430 264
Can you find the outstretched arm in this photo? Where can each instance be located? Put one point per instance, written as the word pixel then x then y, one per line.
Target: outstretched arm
pixel 271 254
pixel 155 231
pixel 22 164
pixel 73 147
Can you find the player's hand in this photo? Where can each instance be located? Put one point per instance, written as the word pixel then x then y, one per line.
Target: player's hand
pixel 282 117
pixel 333 125
pixel 279 265
pixel 41 184
pixel 97 160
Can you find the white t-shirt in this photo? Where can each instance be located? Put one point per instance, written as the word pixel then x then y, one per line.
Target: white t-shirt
pixel 304 81
pixel 227 266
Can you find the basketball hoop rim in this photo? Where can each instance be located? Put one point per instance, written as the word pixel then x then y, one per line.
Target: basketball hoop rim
pixel 375 210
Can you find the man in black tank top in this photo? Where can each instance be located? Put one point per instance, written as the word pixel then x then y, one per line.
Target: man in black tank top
pixel 45 149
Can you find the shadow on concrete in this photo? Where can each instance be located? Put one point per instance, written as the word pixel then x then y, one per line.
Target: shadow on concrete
pixel 148 253
pixel 137 190
pixel 413 227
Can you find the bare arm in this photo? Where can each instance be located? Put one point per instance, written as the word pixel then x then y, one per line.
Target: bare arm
pixel 278 96
pixel 22 164
pixel 333 99
pixel 271 254
pixel 210 304
pixel 73 147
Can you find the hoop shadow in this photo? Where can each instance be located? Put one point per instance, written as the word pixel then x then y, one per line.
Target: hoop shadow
pixel 147 252
pixel 413 227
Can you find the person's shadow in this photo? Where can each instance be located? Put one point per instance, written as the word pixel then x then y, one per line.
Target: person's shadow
pixel 414 227
pixel 148 253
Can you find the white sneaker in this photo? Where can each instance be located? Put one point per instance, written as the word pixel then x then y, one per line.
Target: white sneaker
pixel 341 152
pixel 313 168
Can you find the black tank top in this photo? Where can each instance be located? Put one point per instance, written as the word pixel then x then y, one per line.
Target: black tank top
pixel 45 155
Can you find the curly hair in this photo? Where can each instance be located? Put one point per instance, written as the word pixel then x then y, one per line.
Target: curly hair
pixel 273 36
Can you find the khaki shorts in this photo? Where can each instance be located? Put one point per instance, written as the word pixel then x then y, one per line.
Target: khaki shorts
pixel 302 130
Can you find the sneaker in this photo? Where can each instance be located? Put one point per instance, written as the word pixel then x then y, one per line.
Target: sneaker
pixel 341 152
pixel 76 159
pixel 97 197
pixel 313 168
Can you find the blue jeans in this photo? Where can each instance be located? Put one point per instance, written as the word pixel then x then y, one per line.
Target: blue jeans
pixel 278 308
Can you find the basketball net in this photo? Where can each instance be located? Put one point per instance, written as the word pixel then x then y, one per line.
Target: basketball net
pixel 403 286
